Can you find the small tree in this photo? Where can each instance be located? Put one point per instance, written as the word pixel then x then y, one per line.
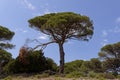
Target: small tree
pixel 96 65
pixel 61 27
pixel 73 66
pixel 30 62
pixel 5 36
pixel 111 56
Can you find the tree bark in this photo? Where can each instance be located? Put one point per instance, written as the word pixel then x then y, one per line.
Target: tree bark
pixel 61 49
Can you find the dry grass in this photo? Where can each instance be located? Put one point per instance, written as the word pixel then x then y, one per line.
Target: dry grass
pixel 45 77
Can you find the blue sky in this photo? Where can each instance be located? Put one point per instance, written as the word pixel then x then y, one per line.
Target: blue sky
pixel 105 14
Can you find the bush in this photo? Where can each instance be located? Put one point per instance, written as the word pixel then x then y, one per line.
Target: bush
pixel 43 75
pixel 118 76
pixel 92 74
pixel 101 78
pixel 105 75
pixel 50 64
pixel 73 66
pixel 34 62
pixel 8 78
pixel 109 76
pixel 5 58
pixel 75 74
pixel 9 68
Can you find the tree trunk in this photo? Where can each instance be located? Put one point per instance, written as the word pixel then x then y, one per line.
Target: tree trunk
pixel 61 68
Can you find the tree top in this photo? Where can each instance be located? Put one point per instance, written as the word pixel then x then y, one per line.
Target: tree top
pixel 5 33
pixel 67 25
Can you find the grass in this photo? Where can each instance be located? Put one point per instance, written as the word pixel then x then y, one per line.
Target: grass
pixel 46 76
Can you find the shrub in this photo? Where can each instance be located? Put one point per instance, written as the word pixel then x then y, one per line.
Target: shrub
pixel 109 76
pixel 50 64
pixel 118 76
pixel 34 62
pixel 101 78
pixel 8 78
pixel 92 74
pixel 43 75
pixel 105 75
pixel 75 74
pixel 73 66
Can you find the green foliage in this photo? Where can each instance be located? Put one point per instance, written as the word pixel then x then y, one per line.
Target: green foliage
pixel 101 75
pixel 108 76
pixel 73 66
pixel 9 68
pixel 43 75
pixel 96 65
pixel 36 62
pixel 5 33
pixel 92 74
pixel 50 64
pixel 111 56
pixel 86 67
pixel 5 57
pixel 65 24
pixel 8 78
pixel 110 51
pixel 75 74
pixel 5 36
pixel 6 46
pixel 118 76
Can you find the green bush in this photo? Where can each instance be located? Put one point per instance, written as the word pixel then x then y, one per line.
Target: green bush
pixel 50 64
pixel 8 78
pixel 118 76
pixel 75 74
pixel 92 74
pixel 34 62
pixel 109 76
pixel 73 66
pixel 105 75
pixel 43 75
pixel 101 78
pixel 9 68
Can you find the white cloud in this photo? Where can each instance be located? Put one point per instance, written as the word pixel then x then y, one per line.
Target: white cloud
pixel 17 30
pixel 117 29
pixel 43 37
pixel 114 30
pixel 24 31
pixel 29 5
pixel 118 20
pixel 104 33
pixel 104 42
pixel 47 9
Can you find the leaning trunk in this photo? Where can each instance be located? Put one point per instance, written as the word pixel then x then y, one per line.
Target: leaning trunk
pixel 61 68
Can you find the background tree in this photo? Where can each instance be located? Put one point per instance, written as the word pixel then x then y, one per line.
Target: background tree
pixel 73 66
pixel 30 62
pixel 51 65
pixel 5 57
pixel 61 27
pixel 5 36
pixel 111 56
pixel 96 65
pixel 86 67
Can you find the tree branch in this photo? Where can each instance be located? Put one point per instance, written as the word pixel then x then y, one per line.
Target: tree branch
pixel 43 45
